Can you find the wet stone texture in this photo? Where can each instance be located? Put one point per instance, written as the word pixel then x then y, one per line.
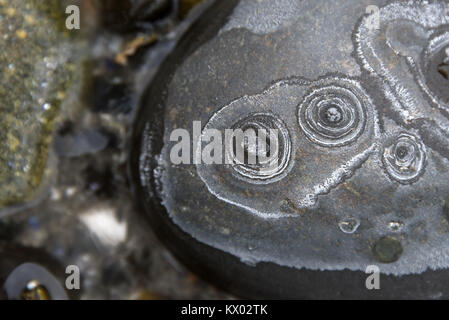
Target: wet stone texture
pixel 84 215
pixel 363 114
pixel 36 71
pixel 365 143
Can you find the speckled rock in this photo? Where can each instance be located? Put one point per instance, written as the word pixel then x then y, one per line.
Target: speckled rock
pixel 37 67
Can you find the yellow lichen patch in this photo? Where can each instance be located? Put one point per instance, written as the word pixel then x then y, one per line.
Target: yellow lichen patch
pixel 131 47
pixel 30 19
pixel 21 34
pixel 13 142
pixel 61 95
pixel 10 11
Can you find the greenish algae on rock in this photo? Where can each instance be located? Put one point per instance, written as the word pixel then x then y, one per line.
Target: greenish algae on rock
pixel 37 66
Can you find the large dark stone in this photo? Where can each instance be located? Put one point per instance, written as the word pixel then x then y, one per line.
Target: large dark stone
pixel 365 144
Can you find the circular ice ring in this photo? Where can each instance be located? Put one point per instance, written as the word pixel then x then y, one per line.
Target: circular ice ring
pixel 346 107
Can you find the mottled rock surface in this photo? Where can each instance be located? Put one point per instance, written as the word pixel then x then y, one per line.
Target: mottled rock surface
pixel 36 70
pixel 122 260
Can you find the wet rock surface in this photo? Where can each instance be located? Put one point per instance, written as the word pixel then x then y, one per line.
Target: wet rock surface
pixel 366 124
pixel 71 96
pixel 38 65
pixel 365 157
